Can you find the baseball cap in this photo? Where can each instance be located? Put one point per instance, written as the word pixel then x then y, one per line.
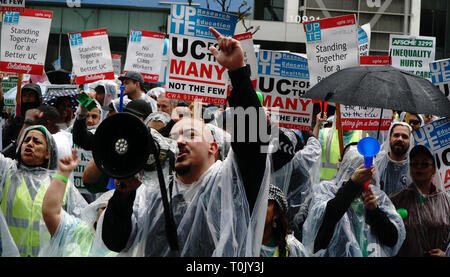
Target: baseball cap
pixel 138 107
pixel 133 75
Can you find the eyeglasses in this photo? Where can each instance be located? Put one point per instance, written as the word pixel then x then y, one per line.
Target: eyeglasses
pixel 414 122
pixel 420 165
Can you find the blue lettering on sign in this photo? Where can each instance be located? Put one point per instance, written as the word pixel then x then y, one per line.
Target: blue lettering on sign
pixel 136 36
pixel 313 32
pixel 76 39
pixel 362 36
pixel 11 17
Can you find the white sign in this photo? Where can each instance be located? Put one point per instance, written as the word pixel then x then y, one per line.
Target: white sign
pixel 91 56
pixel 193 72
pixel 283 79
pixel 24 41
pixel 332 45
pixel 364 39
pixel 144 54
pixel 412 54
pixel 246 40
pixel 440 75
pixel 117 63
pixel 12 5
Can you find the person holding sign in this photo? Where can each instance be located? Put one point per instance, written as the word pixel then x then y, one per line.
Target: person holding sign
pixel 133 82
pixel 346 222
pixel 392 161
pixel 428 208
pixel 134 222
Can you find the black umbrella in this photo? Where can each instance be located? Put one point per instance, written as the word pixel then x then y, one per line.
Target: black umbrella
pixel 381 87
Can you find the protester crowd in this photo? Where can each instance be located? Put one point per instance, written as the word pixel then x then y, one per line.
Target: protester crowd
pixel 227 197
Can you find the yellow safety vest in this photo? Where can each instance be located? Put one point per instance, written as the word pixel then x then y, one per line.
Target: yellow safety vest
pixel 23 214
pixel 331 152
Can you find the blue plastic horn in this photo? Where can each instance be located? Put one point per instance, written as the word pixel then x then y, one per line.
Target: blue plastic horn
pixel 368 147
pixel 122 88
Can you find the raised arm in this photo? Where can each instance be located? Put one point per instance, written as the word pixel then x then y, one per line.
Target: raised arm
pixel 53 198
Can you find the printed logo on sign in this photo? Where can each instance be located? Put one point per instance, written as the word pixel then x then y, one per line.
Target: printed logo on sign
pixel 76 39
pixel 136 36
pixel 11 17
pixel 312 31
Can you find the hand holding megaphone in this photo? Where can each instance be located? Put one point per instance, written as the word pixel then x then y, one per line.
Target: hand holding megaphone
pixel 363 175
pixel 368 147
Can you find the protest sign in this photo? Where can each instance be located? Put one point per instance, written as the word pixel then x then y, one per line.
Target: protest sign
pixel 24 41
pixel 283 79
pixel 117 63
pixel 12 5
pixel 436 136
pixel 246 40
pixel 412 53
pixel 85 157
pixel 144 54
pixel 194 74
pixel 91 56
pixel 331 45
pixel 366 118
pixel 440 75
pixel 164 63
pixel 364 39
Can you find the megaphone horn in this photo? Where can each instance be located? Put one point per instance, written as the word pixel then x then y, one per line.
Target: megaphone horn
pixel 121 145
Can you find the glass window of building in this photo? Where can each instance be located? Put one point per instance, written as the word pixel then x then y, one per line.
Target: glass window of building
pixel 271 10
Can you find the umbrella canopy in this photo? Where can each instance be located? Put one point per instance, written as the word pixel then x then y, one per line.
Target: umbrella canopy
pixel 381 87
pixel 52 92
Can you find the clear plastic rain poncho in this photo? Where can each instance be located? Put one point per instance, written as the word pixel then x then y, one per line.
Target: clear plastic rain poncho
pixel 392 175
pixel 158 116
pixel 111 89
pixel 77 237
pixel 7 246
pixel 352 236
pixel 156 92
pixel 428 221
pixel 297 177
pixel 222 138
pixel 212 216
pixel 14 176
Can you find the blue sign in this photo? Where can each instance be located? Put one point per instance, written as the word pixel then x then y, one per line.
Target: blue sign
pixel 440 71
pixel 76 39
pixel 281 64
pixel 195 22
pixel 362 36
pixel 11 17
pixel 313 31
pixel 434 135
pixel 136 36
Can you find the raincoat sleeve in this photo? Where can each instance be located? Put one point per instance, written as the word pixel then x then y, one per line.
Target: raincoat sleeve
pixel 73 238
pixel 8 247
pixel 250 160
pixel 296 248
pixel 81 136
pixel 5 165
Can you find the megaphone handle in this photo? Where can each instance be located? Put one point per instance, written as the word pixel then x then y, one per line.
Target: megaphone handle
pixel 366 186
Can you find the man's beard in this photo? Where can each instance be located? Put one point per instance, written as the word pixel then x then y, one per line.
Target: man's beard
pixel 182 170
pixel 399 152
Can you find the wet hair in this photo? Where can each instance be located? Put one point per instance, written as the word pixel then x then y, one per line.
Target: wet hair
pixel 99 89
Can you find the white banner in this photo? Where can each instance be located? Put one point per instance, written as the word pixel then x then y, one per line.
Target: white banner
pixel 193 72
pixel 332 45
pixel 144 54
pixel 91 56
pixel 412 53
pixel 24 41
pixel 246 40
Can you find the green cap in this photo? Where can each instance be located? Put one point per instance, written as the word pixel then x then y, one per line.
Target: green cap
pixel 403 213
pixel 260 97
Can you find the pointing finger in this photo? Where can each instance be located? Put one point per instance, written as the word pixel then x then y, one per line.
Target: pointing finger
pixel 215 33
